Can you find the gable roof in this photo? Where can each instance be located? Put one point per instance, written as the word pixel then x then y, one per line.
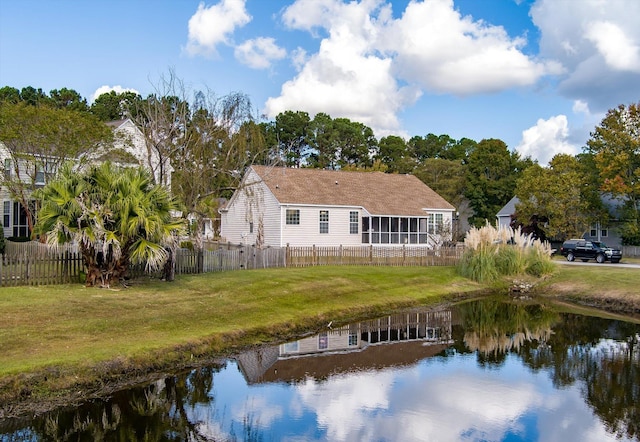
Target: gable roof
pixel 377 192
pixel 509 208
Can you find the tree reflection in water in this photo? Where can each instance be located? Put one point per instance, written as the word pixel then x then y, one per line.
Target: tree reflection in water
pixel 600 355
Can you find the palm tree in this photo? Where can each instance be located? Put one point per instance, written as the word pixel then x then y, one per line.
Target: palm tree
pixel 116 215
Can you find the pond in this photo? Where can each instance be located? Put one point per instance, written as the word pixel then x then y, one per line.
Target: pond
pixel 479 371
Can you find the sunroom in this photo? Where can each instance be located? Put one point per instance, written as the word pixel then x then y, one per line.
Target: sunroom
pixel 401 230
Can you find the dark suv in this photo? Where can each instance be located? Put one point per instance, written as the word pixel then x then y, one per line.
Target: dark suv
pixel 586 250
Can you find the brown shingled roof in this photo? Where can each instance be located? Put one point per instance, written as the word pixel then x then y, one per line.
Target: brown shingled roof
pixel 379 193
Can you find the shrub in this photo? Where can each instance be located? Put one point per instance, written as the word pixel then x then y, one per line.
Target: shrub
pixel 491 253
pixel 630 233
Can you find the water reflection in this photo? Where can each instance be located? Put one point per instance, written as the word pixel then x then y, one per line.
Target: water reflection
pixel 480 371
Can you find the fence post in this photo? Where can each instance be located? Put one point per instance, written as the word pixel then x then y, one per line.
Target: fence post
pixel 287 256
pixel 200 262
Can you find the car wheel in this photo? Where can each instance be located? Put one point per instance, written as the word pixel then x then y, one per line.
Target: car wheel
pixel 600 258
pixel 570 256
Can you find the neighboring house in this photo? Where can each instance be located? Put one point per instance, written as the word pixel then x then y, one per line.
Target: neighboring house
pixel 276 206
pixel 132 141
pixel 129 149
pixel 606 233
pixel 505 215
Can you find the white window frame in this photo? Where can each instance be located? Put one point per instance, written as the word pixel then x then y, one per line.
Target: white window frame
pixel 354 222
pixel 292 217
pixel 323 220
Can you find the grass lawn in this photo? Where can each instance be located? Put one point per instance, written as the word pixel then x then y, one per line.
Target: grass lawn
pixel 598 285
pixel 70 325
pixel 55 338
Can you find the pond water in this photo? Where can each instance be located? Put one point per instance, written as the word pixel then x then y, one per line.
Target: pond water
pixel 477 371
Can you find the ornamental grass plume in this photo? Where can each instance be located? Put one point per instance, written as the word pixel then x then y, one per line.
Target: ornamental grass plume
pixel 493 252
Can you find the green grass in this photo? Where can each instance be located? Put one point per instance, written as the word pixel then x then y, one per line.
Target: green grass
pixel 70 325
pixel 68 338
pixel 595 281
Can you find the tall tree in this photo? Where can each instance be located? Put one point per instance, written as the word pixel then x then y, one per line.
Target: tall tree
pixel 552 199
pixel 446 177
pixel 615 145
pixel 9 94
pixel 394 154
pixel 33 96
pixel 440 146
pixel 68 99
pixel 37 140
pixel 322 139
pixel 491 176
pixel 116 216
pixel 356 146
pixel 163 118
pixel 113 106
pixel 292 131
pixel 221 140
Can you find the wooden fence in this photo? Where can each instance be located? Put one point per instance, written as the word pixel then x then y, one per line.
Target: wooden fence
pixel 372 256
pixel 229 258
pixel 630 251
pixel 32 263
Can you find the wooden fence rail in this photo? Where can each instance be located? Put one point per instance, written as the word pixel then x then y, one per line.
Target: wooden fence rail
pixel 630 251
pixel 372 255
pixel 33 263
pixel 23 269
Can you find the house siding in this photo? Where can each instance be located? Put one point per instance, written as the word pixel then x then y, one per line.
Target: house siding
pixel 251 203
pixel 307 233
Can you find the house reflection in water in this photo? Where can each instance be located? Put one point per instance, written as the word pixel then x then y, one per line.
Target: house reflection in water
pixel 396 340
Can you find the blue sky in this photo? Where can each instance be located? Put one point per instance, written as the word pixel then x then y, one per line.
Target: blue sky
pixel 538 74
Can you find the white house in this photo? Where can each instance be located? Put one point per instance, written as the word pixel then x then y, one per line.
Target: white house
pixel 129 139
pixel 276 206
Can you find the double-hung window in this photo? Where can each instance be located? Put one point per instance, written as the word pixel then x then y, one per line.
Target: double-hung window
pixel 293 216
pixel 324 221
pixel 6 219
pixel 353 223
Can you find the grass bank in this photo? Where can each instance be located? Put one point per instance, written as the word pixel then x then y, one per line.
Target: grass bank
pixel 605 286
pixel 65 338
pixel 59 344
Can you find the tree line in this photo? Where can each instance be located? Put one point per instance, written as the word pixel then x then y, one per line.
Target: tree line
pixel 209 140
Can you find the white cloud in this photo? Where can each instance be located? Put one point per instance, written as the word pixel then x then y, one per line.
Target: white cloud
pixel 598 43
pixel 310 14
pixel 106 89
pixel 546 139
pixel 618 50
pixel 581 107
pixel 213 25
pixel 346 77
pixel 259 53
pixel 370 66
pixel 446 53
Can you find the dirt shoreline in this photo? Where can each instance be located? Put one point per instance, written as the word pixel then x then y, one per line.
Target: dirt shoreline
pixel 24 403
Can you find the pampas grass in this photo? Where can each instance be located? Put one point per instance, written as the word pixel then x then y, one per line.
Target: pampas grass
pixel 491 253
